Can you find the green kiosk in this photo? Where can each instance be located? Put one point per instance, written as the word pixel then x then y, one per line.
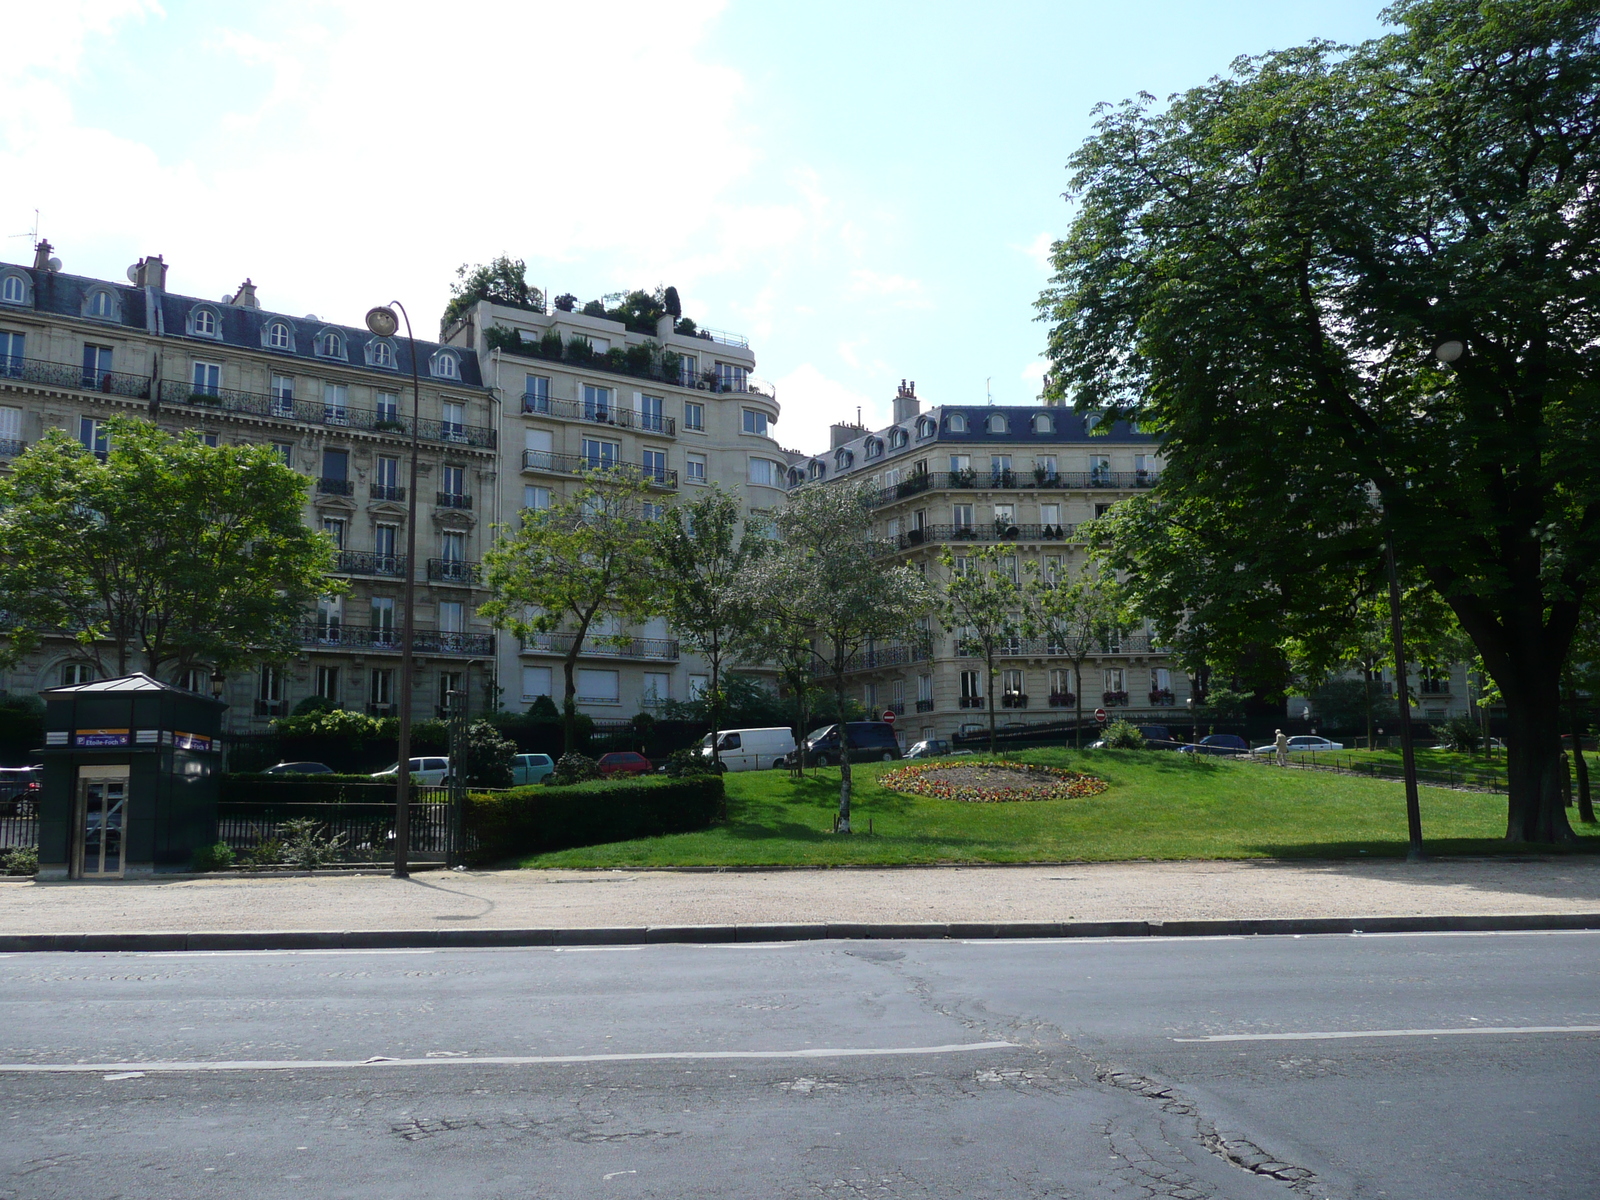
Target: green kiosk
pixel 130 778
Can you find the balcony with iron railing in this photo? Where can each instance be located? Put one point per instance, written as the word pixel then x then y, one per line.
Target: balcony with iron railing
pixel 1012 480
pixel 452 570
pixel 550 463
pixel 386 491
pixel 986 531
pixel 335 416
pixel 11 447
pixel 598 414
pixel 360 562
pixel 656 649
pixel 924 706
pixel 327 635
pixel 1045 648
pixel 886 656
pixel 328 486
pixel 66 375
pixel 453 500
pixel 617 362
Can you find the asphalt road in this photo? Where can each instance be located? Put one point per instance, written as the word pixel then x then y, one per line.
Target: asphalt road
pixel 1183 1068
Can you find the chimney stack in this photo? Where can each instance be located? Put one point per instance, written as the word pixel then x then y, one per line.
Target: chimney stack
pixel 151 273
pixel 245 297
pixel 41 255
pixel 906 404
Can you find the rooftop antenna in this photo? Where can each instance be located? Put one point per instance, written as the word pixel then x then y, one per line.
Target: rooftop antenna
pixel 34 236
pixel 988 395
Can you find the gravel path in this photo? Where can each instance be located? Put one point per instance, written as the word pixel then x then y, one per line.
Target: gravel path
pixel 576 899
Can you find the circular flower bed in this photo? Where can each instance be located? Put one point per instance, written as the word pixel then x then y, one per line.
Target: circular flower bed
pixel 990 782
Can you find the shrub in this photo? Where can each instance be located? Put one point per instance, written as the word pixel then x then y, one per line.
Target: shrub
pixel 305 846
pixel 550 344
pixel 1461 734
pixel 213 858
pixel 265 853
pixel 565 302
pixel 313 704
pixel 579 350
pixel 341 723
pixel 23 860
pixel 638 359
pixel 616 359
pixel 532 820
pixel 1123 735
pixel 486 758
pixel 683 764
pixel 574 768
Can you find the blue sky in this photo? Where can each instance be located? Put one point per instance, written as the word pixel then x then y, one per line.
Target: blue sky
pixel 867 190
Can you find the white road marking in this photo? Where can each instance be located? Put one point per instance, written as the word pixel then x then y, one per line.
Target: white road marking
pixel 614 1174
pixel 503 1061
pixel 1388 1033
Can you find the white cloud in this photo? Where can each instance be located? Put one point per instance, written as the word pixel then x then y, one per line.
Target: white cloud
pixel 812 401
pixel 1039 249
pixel 897 289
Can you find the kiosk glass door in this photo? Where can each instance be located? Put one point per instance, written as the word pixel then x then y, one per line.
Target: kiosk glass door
pixel 100 824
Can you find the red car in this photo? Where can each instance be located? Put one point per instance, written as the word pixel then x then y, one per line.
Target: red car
pixel 624 762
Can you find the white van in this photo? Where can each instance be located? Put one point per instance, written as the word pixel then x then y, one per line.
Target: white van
pixel 751 749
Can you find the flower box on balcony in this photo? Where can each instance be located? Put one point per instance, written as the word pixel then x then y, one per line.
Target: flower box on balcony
pixel 1115 699
pixel 1161 696
pixel 1063 700
pixel 1014 700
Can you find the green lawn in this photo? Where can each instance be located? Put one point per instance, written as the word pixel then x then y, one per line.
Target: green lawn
pixel 1158 806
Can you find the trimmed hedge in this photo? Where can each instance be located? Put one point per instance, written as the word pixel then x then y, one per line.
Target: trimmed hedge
pixel 531 820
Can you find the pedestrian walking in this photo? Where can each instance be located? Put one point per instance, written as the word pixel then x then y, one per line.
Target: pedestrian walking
pixel 1282 743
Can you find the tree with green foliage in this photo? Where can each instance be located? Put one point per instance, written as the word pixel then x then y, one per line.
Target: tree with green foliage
pixel 487 757
pixel 167 552
pixel 503 280
pixel 828 574
pixel 569 566
pixel 704 550
pixel 980 601
pixel 1351 289
pixel 1076 615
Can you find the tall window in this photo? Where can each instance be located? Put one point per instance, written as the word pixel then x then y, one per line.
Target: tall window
pixel 269 685
pixel 960 462
pixel 453 481
pixel 285 452
pixel 1061 682
pixel 961 516
pixel 328 683
pixel 971 685
pixel 450 616
pixel 100 304
pixel 335 480
pixel 10 353
pixel 1114 680
pixel 334 527
pixel 601 454
pixel 10 429
pixel 1050 514
pixel 1012 682
pixel 94 435
pixel 694 413
pixel 1045 465
pixel 207 378
pixel 386 546
pixel 535 498
pixel 761 472
pixel 755 421
pixel 650 416
pixel 655 464
pixel 453 546
pixel 695 468
pixel 924 687
pixel 597 403
pixel 96 365
pixel 536 394
pixel 454 419
pixel 535 682
pixel 386 479
pixel 335 404
pixel 283 395
pixel 387 407
pixel 731 377
pixel 445 366
pixel 383 620
pixel 451 691
pixel 330 345
pixel 13 290
pixel 657 689
pixel 382 354
pixel 194 679
pixel 381 692
pixel 689 372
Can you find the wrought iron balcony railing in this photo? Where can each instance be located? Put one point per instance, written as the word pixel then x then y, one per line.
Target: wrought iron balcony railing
pixel 663 649
pixel 386 491
pixel 11 447
pixel 423 641
pixel 886 656
pixel 1014 480
pixel 310 412
pixel 924 706
pixel 987 531
pixel 335 487
pixel 1045 648
pixel 452 570
pixel 577 464
pixel 453 500
pixel 360 562
pixel 109 383
pixel 598 414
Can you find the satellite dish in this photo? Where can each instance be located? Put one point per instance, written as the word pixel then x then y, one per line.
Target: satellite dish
pixel 133 273
pixel 311 316
pixel 227 297
pixel 54 264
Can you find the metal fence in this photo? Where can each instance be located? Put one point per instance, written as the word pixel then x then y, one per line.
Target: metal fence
pixel 364 830
pixel 19 832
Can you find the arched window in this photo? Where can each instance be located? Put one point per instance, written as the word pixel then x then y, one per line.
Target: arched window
pixel 817 470
pixel 278 336
pixel 330 345
pixel 382 354
pixel 13 290
pixel 842 460
pixel 1043 424
pixel 796 477
pixel 100 304
pixel 957 423
pixel 874 447
pixel 444 366
pixel 205 322
pixel 898 438
pixel 998 424
pixel 925 428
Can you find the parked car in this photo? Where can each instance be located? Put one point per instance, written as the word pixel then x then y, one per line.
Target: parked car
pixel 868 741
pixel 531 768
pixel 624 762
pixel 429 771
pixel 751 749
pixel 299 768
pixel 19 790
pixel 1302 743
pixel 929 748
pixel 1221 744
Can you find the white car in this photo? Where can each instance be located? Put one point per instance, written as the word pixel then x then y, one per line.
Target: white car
pixel 751 749
pixel 1303 743
pixel 429 771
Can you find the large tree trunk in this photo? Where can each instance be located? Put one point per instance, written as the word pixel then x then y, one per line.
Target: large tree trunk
pixel 1535 811
pixel 714 706
pixel 844 755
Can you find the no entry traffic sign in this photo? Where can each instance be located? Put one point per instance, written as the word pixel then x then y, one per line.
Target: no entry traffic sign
pixel 1101 715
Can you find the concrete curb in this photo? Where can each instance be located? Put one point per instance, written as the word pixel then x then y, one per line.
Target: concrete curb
pixel 645 935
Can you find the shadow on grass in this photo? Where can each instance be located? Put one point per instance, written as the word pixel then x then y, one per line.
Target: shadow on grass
pixel 1431 847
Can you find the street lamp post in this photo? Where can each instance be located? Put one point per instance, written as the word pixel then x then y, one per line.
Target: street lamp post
pixel 1192 731
pixel 383 323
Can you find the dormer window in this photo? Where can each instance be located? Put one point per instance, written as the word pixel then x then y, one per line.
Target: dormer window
pixel 956 423
pixel 205 322
pixel 445 366
pixel 926 427
pixel 14 289
pixel 796 477
pixel 874 447
pixel 381 354
pixel 330 344
pixel 1043 424
pixel 842 460
pixel 817 470
pixel 279 337
pixel 899 438
pixel 100 304
pixel 998 424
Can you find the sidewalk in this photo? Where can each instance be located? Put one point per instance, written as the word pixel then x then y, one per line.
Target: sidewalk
pixel 613 900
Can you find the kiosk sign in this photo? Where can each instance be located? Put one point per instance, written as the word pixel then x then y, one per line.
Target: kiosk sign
pixel 101 737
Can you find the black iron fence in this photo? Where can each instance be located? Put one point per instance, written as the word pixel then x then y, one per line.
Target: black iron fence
pixel 109 383
pixel 352 832
pixel 311 412
pixel 19 831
